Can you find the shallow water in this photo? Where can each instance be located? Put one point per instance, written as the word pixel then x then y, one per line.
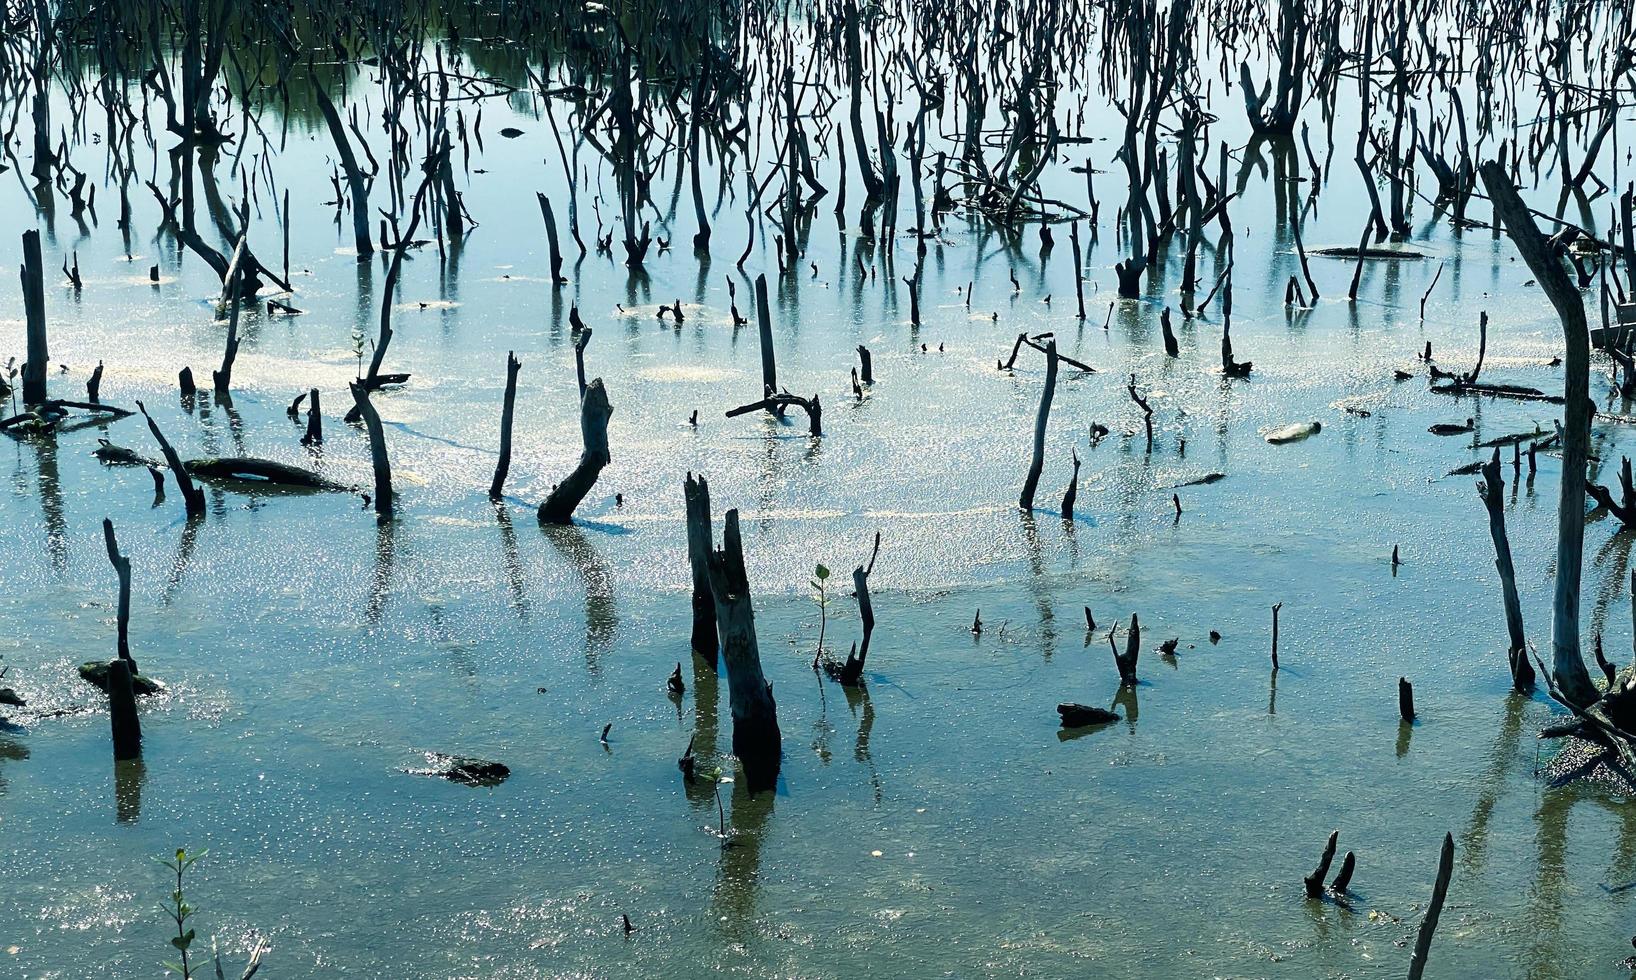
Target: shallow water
pixel 936 822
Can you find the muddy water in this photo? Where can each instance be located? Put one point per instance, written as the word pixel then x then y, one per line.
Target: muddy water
pixel 936 822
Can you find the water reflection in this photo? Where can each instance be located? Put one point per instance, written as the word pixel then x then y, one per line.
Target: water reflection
pixel 129 777
pixel 601 613
pixel 738 870
pixel 511 563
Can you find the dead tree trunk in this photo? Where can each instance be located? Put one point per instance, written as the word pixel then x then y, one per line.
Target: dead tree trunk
pixel 222 379
pixel 1032 481
pixel 357 181
pixel 33 278
pixel 756 738
pixel 551 238
pixel 315 421
pixel 1434 910
pixel 122 568
pixel 192 496
pixel 594 411
pixel 1568 665
pixel 696 492
pixel 851 672
pixel 764 324
pixel 503 467
pixel 127 728
pixel 377 448
pixel 1492 489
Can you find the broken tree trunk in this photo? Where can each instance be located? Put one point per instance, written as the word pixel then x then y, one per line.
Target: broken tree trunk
pixel 594 411
pixel 756 738
pixel 122 568
pixel 696 492
pixel 252 470
pixel 1492 488
pixel 192 496
pixel 127 729
pixel 222 379
pixel 315 421
pixel 1037 464
pixel 1434 910
pixel 357 181
pixel 1568 666
pixel 377 448
pixel 503 467
pixel 851 673
pixel 764 324
pixel 1126 662
pixel 33 279
pixel 551 238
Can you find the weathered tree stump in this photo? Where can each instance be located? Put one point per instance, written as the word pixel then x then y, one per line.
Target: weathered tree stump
pixel 756 738
pixel 696 493
pixel 377 449
pixel 503 466
pixel 558 507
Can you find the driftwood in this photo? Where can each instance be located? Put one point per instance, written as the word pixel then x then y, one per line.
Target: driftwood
pixel 696 493
pixel 1084 715
pixel 114 455
pixel 558 507
pixel 757 741
pixel 1568 664
pixel 777 403
pixel 250 469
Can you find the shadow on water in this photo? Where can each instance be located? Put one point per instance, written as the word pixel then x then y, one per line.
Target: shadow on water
pixel 11 749
pixel 51 502
pixel 184 557
pixel 857 699
pixel 601 613
pixel 738 871
pixel 380 583
pixel 511 562
pixel 129 777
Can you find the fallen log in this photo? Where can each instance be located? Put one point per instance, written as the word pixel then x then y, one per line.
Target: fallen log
pixel 252 469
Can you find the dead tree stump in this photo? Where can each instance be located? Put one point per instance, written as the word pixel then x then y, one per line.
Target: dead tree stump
pixel 594 411
pixel 1492 489
pixel 503 466
pixel 377 448
pixel 1037 463
pixel 696 492
pixel 127 729
pixel 33 279
pixel 756 738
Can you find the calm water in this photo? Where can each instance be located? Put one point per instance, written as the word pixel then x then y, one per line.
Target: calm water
pixel 935 823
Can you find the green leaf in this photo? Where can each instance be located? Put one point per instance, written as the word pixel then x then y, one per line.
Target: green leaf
pixel 183 941
pixel 822 572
